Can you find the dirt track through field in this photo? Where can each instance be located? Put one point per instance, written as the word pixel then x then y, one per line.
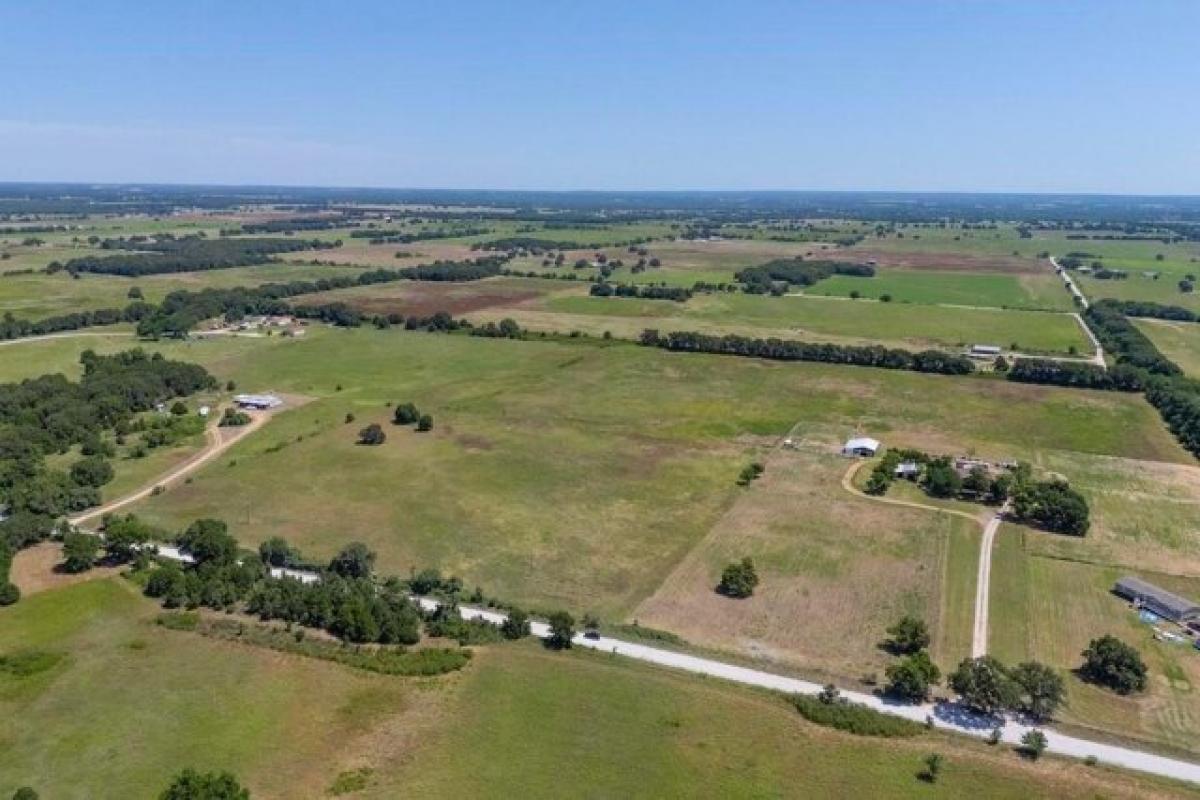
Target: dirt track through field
pixel 218 441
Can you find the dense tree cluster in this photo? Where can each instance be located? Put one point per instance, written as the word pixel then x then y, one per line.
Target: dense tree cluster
pixel 775 276
pixel 14 328
pixel 190 254
pixel 644 291
pixel 989 687
pixel 429 234
pixel 934 361
pixel 1147 308
pixel 1122 338
pixel 1077 375
pixel 1052 505
pixel 193 785
pixel 293 225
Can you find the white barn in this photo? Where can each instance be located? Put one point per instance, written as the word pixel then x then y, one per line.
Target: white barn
pixel 861 446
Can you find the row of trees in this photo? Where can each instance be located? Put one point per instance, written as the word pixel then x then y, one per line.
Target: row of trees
pixel 644 291
pixel 1077 375
pixel 934 361
pixel 402 237
pixel 775 276
pixel 188 254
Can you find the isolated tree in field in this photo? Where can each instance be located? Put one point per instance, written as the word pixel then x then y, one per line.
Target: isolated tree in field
pixel 209 542
pixel 933 767
pixel 372 435
pixel 1042 690
pixel 355 560
pixel 912 677
pixel 515 625
pixel 406 414
pixel 1110 662
pixel 80 551
pixel 192 785
pixel 562 630
pixel 984 685
pixel 738 579
pixel 1033 743
pixel 425 423
pixel 91 471
pixel 908 635
pixel 134 293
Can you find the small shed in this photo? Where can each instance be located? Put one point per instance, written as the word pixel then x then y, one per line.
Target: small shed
pixel 863 446
pixel 985 350
pixel 1167 605
pixel 908 469
pixel 259 402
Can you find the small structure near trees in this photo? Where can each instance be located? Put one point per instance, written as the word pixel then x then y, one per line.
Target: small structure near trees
pixel 861 446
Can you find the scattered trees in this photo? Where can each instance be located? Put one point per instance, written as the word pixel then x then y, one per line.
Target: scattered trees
pixel 984 685
pixel 1110 662
pixel 406 414
pixel 738 579
pixel 1041 688
pixel 516 624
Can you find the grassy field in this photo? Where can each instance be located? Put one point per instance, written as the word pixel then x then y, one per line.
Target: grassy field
pixel 130 704
pixel 898 324
pixel 519 720
pixel 1048 609
pixel 537 724
pixel 40 295
pixel 829 563
pixel 1179 341
pixel 958 288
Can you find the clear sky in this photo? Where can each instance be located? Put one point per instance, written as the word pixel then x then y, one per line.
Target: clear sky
pixel 1052 95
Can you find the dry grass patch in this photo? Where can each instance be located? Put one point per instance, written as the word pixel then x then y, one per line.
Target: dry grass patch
pixel 836 570
pixel 34 570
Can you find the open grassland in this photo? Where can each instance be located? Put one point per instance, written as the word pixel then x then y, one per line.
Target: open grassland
pixel 1179 341
pixel 536 724
pixel 40 295
pixel 424 298
pixel 573 474
pixel 836 570
pixel 128 704
pixel 954 288
pixel 814 317
pixel 1048 609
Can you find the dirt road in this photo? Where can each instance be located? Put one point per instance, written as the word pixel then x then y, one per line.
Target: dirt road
pixel 218 441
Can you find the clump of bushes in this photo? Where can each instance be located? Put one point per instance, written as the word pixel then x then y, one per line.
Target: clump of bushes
pixel 738 579
pixel 836 712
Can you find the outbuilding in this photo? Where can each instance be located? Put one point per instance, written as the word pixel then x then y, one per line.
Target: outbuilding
pixel 259 402
pixel 1167 605
pixel 863 446
pixel 985 350
pixel 908 469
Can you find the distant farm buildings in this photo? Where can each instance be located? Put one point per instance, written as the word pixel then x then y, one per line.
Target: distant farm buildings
pixel 1167 605
pixel 863 446
pixel 984 351
pixel 258 402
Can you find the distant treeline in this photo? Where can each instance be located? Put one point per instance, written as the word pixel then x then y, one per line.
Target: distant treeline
pixel 776 276
pixel 644 291
pixel 12 328
pixel 537 246
pixel 291 225
pixel 934 361
pixel 1077 375
pixel 400 237
pixel 189 254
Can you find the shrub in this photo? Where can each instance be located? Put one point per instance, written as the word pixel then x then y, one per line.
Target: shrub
pixel 854 718
pixel 562 630
pixel 908 635
pixel 425 423
pixel 738 579
pixel 372 435
pixel 9 593
pixel 912 677
pixel 406 414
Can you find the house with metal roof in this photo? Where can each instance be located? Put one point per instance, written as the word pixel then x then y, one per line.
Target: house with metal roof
pixel 1167 605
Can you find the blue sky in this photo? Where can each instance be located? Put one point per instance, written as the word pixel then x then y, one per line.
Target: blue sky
pixel 992 96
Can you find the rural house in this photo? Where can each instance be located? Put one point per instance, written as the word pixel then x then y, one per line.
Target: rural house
pixel 861 446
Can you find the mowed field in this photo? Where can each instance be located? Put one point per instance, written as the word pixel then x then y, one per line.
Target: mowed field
pixel 996 290
pixel 1178 341
pixel 128 704
pixel 517 720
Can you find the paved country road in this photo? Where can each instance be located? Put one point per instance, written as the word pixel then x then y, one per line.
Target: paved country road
pixel 947 716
